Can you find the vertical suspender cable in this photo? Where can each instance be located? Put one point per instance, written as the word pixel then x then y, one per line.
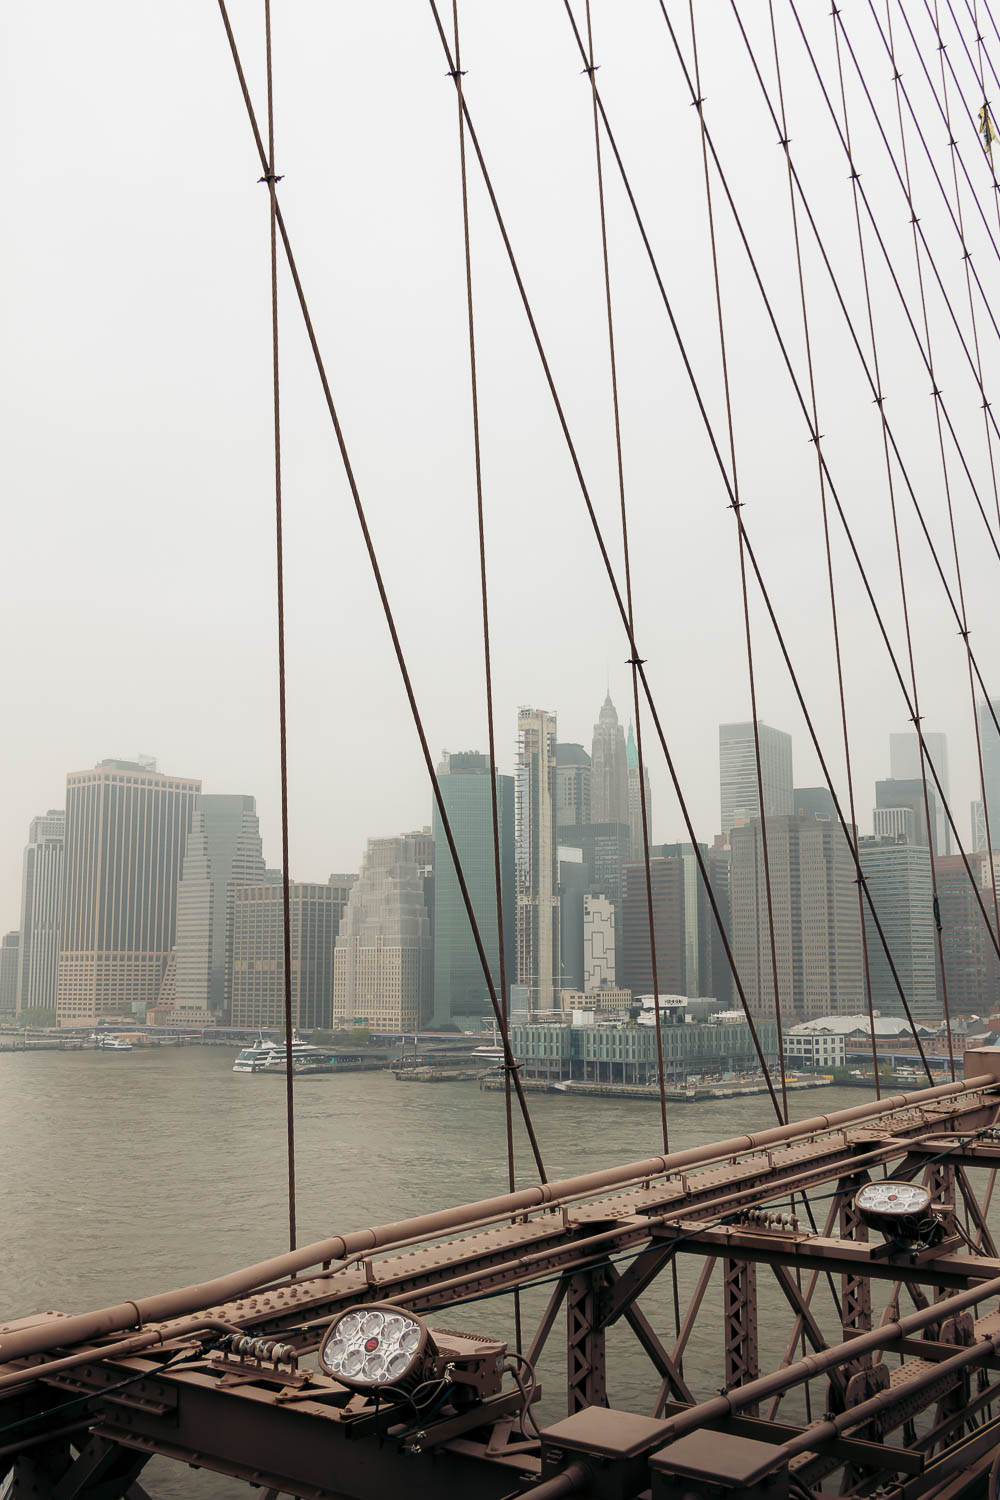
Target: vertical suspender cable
pixel 272 183
pixel 487 660
pixel 602 546
pixel 634 663
pixel 384 600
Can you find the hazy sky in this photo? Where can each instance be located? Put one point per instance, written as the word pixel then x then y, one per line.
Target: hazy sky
pixel 138 578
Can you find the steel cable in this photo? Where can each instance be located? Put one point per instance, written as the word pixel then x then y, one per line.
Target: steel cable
pixel 487 659
pixel 591 72
pixel 272 182
pixel 386 607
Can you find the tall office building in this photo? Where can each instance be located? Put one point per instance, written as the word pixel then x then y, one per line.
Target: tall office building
pixel 572 785
pixel 738 773
pixel 223 852
pixel 536 858
pixel 815 799
pixel 41 897
pixel 898 877
pixel 634 958
pixel 608 769
pixel 893 795
pixel 258 946
pixel 572 896
pixel 607 849
pixel 816 926
pixel 978 816
pixel 634 796
pixel 682 924
pixel 460 987
pixel 895 823
pixel 383 962
pixel 904 765
pixel 126 826
pixel 9 950
pixel 971 967
pixel 717 860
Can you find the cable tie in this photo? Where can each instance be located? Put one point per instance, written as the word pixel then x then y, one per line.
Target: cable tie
pixel 270 177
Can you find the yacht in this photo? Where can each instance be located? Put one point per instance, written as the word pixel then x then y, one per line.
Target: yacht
pixel 267 1053
pixel 108 1041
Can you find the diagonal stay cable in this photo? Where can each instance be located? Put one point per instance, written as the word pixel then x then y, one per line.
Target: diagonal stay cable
pixel 602 547
pixel 918 228
pixel 825 517
pixel 796 385
pixel 713 442
pixel 386 607
pixel 487 659
pixel 741 549
pixel 272 181
pixel 591 72
pixel 979 70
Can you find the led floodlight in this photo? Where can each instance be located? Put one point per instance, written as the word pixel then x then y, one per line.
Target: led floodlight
pixel 899 1210
pixel 379 1345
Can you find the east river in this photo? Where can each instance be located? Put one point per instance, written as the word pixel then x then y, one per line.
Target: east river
pixel 131 1173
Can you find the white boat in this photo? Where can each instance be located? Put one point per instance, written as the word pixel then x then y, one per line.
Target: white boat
pixel 267 1053
pixel 109 1041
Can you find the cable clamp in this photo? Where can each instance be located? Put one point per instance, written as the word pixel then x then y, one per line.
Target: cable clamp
pixel 967 255
pixel 456 73
pixel 854 175
pixel 785 141
pixel 697 103
pixel 818 437
pixel 879 401
pixel 965 633
pixel 896 77
pixel 591 70
pixel 270 177
pixel 138 1314
pixel 986 405
pixel 936 392
pixel 635 661
pixel 914 219
pixel 915 720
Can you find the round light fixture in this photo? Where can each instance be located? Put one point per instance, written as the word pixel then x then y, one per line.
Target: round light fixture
pixel 377 1345
pixel 899 1210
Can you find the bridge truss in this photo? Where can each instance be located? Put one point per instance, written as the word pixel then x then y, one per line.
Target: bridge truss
pixel 219 1376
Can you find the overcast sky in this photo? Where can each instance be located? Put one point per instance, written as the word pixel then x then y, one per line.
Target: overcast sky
pixel 138 578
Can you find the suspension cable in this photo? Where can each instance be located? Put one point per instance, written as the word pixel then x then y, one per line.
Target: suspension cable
pixel 386 607
pixel 487 660
pixel 852 832
pixel 744 590
pixel 710 432
pixel 914 718
pixel 980 73
pixel 272 182
pixel 602 547
pixel 634 664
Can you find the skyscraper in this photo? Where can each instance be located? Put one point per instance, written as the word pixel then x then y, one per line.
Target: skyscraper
pixel 898 877
pixel 738 773
pixel 572 785
pixel 891 795
pixel 126 826
pixel 991 764
pixel 599 943
pixel 536 859
pixel 634 959
pixel 382 971
pixel 258 970
pixel 608 769
pixel 41 896
pixel 460 987
pixel 970 961
pixel 223 852
pixel 9 949
pixel 816 926
pixel 904 765
pixel 634 803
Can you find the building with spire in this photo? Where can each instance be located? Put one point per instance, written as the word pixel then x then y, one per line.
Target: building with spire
pixel 608 769
pixel 634 796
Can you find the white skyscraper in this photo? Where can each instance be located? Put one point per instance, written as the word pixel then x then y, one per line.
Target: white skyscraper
pixel 382 963
pixel 738 773
pixel 608 769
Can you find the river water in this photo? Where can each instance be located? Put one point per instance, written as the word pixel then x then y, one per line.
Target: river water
pixel 126 1174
